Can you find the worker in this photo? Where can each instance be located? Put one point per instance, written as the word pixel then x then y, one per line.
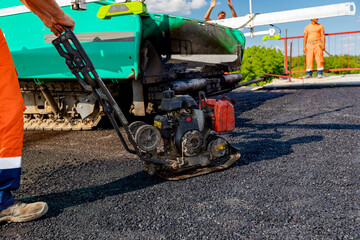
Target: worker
pixel 222 14
pixel 314 45
pixel 11 118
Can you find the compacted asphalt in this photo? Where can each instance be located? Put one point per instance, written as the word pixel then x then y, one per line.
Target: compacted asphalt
pixel 298 178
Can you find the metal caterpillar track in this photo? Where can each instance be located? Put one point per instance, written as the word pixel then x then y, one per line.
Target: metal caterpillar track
pixel 48 124
pixel 76 109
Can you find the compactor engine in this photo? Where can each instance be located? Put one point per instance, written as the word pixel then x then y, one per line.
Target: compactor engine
pixel 183 134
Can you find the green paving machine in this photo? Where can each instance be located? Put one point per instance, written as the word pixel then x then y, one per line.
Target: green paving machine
pixel 138 55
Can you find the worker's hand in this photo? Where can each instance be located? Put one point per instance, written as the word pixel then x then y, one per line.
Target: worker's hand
pixel 59 23
pixel 213 3
pixel 304 49
pixel 47 20
pixel 230 3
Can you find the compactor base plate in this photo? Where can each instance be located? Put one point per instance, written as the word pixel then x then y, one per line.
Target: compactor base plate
pixel 217 164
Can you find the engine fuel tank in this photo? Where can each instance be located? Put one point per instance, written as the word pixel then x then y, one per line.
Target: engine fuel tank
pixel 223 115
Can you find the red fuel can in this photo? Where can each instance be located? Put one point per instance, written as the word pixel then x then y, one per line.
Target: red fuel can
pixel 223 115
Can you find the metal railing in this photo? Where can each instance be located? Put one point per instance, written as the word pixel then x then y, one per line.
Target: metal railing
pixel 344 48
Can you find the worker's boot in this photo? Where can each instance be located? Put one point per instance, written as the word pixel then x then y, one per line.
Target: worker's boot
pixel 308 74
pixel 23 212
pixel 320 74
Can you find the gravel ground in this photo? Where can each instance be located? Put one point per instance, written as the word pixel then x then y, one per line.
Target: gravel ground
pixel 298 178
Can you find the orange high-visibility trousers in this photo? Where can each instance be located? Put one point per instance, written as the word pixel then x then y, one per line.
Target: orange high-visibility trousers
pixel 314 52
pixel 11 126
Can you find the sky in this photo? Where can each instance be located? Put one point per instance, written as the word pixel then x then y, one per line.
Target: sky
pixel 197 9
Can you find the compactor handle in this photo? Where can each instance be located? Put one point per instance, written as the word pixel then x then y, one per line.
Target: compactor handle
pixel 79 63
pixel 202 98
pixel 76 67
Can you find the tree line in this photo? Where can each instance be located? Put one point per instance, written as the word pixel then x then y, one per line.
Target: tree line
pixel 258 61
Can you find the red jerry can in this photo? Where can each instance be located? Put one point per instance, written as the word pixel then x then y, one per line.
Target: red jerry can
pixel 223 116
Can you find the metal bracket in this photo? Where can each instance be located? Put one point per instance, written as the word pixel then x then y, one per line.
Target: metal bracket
pixel 78 5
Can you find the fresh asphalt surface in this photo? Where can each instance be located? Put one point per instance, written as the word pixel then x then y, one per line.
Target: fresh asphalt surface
pixel 298 178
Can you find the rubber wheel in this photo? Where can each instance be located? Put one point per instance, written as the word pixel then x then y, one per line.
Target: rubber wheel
pixel 134 126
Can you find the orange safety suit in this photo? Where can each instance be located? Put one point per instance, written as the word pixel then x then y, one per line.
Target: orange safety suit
pixel 314 46
pixel 11 126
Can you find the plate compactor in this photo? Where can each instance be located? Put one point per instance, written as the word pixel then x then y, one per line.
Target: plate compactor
pixel 180 144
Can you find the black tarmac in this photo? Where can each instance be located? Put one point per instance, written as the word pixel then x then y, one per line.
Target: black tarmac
pixel 298 178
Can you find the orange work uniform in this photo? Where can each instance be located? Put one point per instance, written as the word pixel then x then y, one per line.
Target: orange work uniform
pixel 11 126
pixel 314 46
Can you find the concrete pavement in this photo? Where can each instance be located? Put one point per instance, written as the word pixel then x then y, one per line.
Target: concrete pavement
pixel 327 81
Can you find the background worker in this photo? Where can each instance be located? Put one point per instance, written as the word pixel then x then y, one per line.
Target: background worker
pixel 11 118
pixel 314 44
pixel 222 14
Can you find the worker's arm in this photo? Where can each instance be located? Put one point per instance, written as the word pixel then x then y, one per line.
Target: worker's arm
pixel 323 38
pixel 44 16
pixel 305 41
pixel 232 8
pixel 51 14
pixel 207 15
